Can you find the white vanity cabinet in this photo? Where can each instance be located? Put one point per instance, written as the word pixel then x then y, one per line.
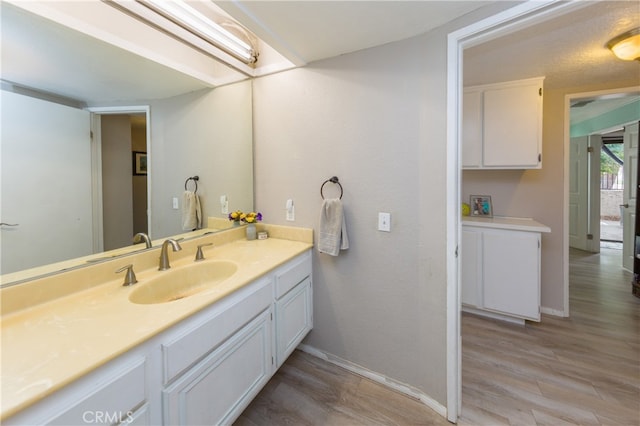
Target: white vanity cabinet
pixel 294 306
pixel 215 364
pixel 206 369
pixel 114 394
pixel 501 261
pixel 502 125
pixel 219 388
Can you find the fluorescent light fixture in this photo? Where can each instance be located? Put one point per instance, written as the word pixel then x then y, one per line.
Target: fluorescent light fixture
pixel 626 46
pixel 192 20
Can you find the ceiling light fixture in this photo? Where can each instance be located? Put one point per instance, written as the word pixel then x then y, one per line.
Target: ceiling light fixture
pixel 626 46
pixel 197 23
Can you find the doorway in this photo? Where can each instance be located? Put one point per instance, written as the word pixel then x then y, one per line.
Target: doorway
pixel 603 162
pixel 121 177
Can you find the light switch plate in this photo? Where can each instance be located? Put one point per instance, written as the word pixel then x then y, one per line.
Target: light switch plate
pixel 384 222
pixel 175 203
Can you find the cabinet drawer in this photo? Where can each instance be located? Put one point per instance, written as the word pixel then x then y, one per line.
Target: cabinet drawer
pixel 193 343
pixel 292 274
pixel 110 397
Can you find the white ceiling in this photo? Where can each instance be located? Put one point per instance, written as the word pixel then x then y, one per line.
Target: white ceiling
pixel 307 31
pixel 568 50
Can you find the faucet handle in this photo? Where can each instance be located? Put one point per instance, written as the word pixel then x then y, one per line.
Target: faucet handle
pixel 199 254
pixel 130 276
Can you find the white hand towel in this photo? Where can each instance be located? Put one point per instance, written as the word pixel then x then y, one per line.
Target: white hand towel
pixel 333 229
pixel 191 211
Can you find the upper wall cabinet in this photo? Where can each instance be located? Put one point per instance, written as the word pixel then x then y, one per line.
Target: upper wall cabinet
pixel 502 125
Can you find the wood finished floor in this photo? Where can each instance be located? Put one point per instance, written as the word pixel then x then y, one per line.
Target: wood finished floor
pixel 580 370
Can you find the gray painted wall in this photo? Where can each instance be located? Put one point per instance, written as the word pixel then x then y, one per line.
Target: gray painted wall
pixel 377 120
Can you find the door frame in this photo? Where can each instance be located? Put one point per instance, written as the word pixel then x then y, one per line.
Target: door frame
pixel 96 166
pixel 508 21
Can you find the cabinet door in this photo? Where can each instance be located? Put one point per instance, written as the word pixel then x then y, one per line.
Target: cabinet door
pixel 217 389
pixel 293 319
pixel 472 129
pixel 511 273
pixel 471 261
pixel 512 131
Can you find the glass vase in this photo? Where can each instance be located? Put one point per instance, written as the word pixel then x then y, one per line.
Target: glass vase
pixel 251 231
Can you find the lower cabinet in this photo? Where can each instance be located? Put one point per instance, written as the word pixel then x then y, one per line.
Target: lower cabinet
pixel 501 271
pixel 219 388
pixel 294 319
pixel 204 370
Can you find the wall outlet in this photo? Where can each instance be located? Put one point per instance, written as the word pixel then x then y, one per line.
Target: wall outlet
pixel 384 222
pixel 175 203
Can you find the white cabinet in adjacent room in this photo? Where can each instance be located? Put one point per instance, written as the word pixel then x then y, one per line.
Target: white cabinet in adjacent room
pixel 502 125
pixel 501 264
pixel 511 272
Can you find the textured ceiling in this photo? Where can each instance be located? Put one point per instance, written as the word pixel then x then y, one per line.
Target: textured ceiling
pixel 568 50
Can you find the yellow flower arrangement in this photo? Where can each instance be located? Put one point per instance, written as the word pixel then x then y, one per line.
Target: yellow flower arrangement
pixel 239 216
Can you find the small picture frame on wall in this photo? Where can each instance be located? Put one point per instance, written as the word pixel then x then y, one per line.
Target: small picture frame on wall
pixel 481 206
pixel 139 163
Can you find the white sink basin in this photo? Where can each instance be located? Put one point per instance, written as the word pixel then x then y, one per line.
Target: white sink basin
pixel 176 284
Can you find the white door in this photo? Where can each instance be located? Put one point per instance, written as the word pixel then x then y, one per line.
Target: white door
pixel 629 197
pixel 58 148
pixel 584 193
pixel 578 192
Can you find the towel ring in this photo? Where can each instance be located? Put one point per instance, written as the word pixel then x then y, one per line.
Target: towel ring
pixel 335 180
pixel 195 180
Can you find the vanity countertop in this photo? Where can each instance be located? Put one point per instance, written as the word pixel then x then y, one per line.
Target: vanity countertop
pixel 49 345
pixel 505 222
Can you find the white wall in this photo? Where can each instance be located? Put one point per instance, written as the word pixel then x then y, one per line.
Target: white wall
pixel 207 133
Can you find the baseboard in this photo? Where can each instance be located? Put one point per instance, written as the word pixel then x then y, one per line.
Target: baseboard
pixel 553 312
pixel 378 378
pixel 492 315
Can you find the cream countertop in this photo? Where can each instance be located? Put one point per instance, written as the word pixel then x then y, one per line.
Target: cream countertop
pixel 49 345
pixel 505 222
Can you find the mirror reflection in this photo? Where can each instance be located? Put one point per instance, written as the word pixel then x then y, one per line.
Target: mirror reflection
pixel 82 175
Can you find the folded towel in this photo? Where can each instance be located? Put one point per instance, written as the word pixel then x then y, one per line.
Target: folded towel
pixel 191 211
pixel 333 229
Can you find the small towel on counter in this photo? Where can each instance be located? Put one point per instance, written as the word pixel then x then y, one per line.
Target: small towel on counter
pixel 191 211
pixel 333 229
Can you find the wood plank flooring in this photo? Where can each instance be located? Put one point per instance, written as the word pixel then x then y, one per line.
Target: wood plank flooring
pixel 579 370
pixel 309 391
pixel 563 371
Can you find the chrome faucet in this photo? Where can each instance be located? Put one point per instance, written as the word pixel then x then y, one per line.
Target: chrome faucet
pixel 164 253
pixel 141 236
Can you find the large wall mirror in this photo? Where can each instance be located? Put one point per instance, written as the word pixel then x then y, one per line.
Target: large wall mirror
pixel 158 127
